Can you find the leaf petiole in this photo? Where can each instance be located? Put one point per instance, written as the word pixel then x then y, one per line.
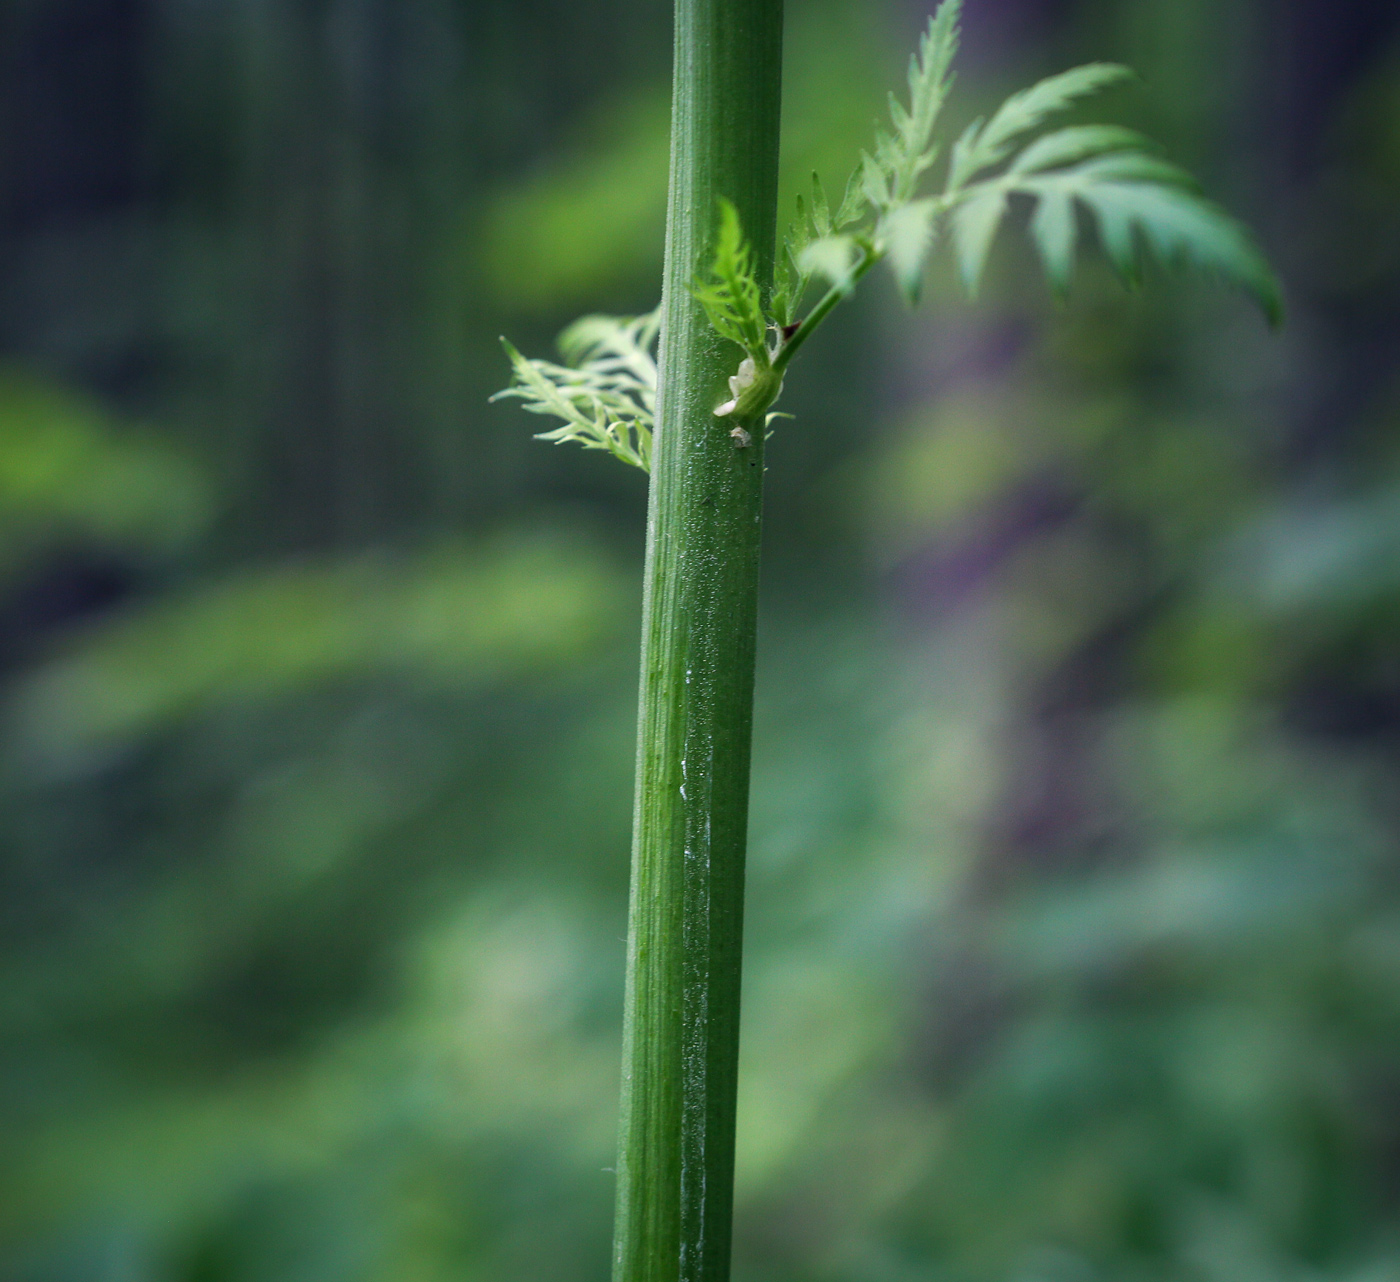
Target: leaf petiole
pixel 781 358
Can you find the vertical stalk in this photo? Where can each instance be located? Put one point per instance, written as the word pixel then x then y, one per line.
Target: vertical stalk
pixel 676 1160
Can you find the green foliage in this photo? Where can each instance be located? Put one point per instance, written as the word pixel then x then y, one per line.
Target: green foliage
pixel 1136 198
pixel 606 394
pixel 451 616
pixel 69 470
pixel 1108 169
pixel 983 145
pixel 1111 170
pixel 730 294
pixel 893 172
pixel 1073 933
pixel 1133 195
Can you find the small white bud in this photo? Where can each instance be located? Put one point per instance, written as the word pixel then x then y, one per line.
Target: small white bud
pixel 739 384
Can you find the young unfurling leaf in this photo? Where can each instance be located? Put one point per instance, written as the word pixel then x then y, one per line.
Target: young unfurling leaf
pixel 734 304
pixel 730 295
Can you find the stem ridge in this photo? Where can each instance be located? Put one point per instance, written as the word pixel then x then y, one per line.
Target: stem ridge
pixel 676 1147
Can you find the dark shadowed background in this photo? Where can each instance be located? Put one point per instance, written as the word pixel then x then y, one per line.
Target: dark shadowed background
pixel 1074 925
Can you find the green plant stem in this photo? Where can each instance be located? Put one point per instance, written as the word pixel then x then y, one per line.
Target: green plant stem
pixel 680 1052
pixel 819 313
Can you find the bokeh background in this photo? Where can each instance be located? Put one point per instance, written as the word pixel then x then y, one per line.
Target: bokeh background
pixel 1074 934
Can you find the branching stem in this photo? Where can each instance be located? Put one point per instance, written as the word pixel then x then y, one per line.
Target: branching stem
pixel 823 307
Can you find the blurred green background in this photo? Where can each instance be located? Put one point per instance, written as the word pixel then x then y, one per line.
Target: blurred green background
pixel 1074 935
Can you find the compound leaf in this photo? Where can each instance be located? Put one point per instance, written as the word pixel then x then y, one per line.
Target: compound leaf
pixel 852 204
pixel 982 147
pixel 1065 146
pixel 1054 228
pixel 606 394
pixel 833 257
pixel 1181 227
pixel 908 234
pixel 975 224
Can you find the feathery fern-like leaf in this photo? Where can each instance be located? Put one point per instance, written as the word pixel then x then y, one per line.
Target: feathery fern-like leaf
pixel 1141 204
pixel 982 146
pixel 731 296
pixel 975 224
pixel 908 235
pixel 833 257
pixel 1135 197
pixel 1077 142
pixel 902 156
pixel 606 394
pixel 1054 229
